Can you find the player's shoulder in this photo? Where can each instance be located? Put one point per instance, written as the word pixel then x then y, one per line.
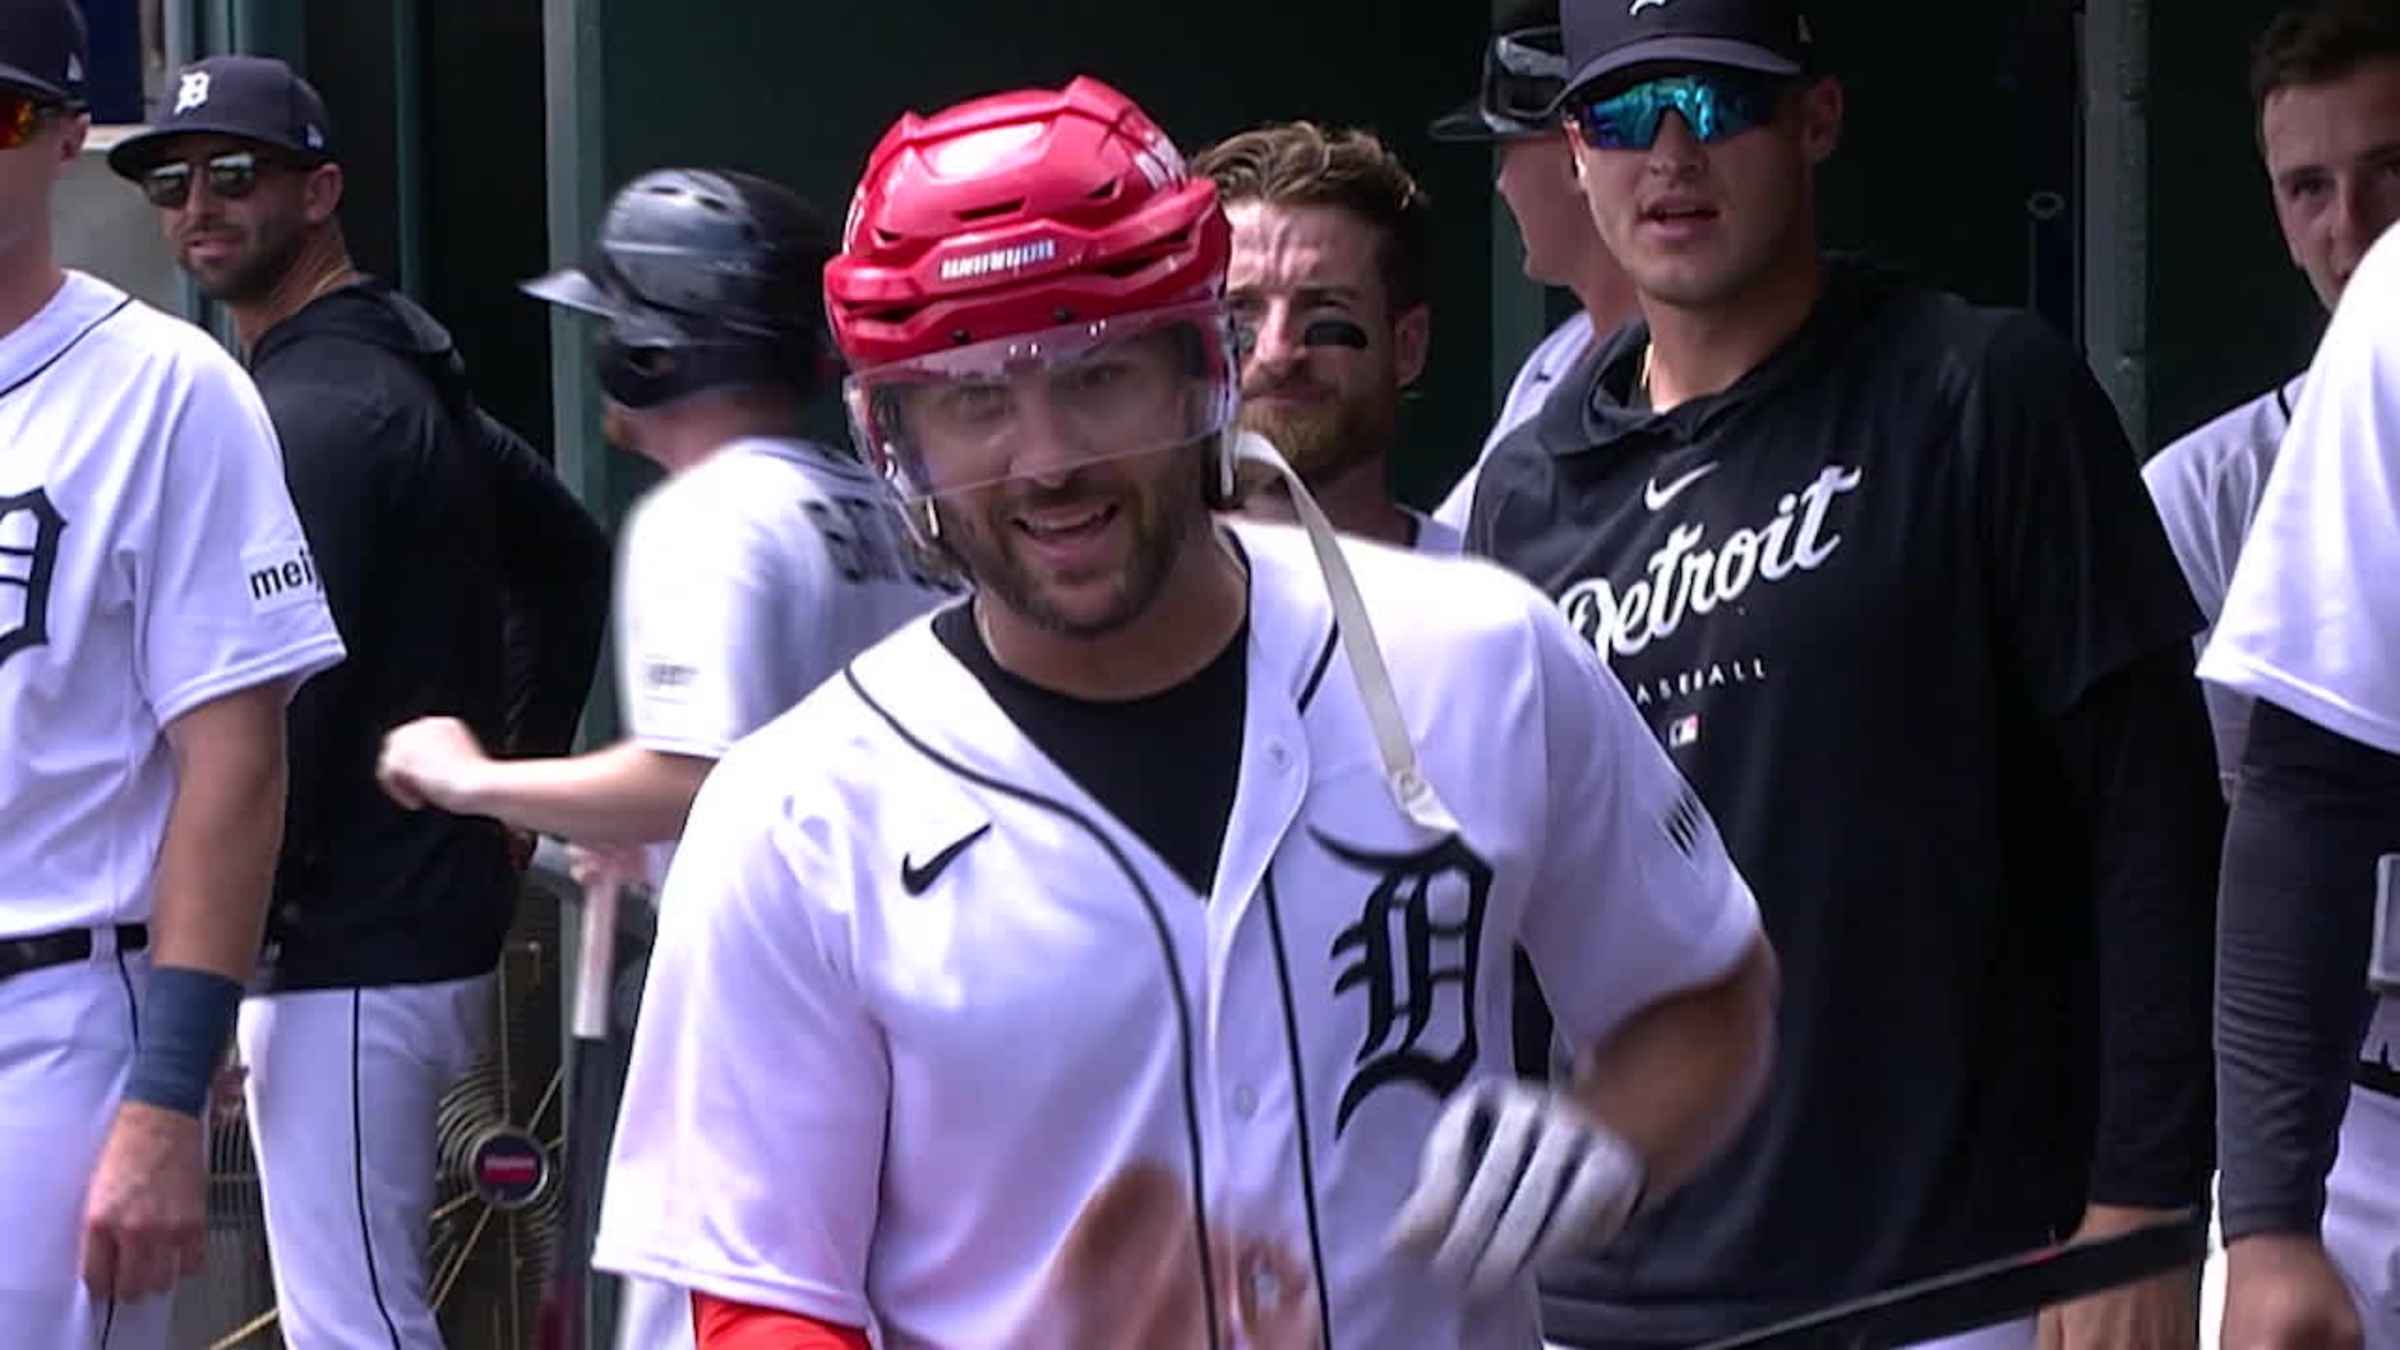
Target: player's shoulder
pixel 1937 339
pixel 1561 345
pixel 2237 444
pixel 1424 607
pixel 756 480
pixel 125 333
pixel 754 461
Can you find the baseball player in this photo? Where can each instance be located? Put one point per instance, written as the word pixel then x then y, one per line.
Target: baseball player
pixel 2311 632
pixel 1877 565
pixel 1515 106
pixel 158 605
pixel 1328 287
pixel 2325 82
pixel 763 562
pixel 432 527
pixel 1120 957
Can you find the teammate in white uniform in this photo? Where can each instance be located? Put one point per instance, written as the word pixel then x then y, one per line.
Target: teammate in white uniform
pixel 2326 82
pixel 157 608
pixel 2311 630
pixel 1328 286
pixel 1524 72
pixel 755 569
pixel 1097 963
pixel 761 564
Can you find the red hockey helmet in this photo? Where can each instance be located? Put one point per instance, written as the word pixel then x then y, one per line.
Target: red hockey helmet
pixel 1025 236
pixel 1015 213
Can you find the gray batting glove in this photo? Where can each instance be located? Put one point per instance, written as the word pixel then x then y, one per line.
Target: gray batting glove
pixel 1514 1175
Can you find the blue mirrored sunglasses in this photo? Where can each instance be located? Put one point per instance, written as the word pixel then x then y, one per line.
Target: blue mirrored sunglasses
pixel 1714 104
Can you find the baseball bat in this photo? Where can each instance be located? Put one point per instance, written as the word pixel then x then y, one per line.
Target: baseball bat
pixel 1987 1294
pixel 563 1324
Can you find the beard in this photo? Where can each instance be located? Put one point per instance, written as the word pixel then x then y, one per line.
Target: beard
pixel 1163 516
pixel 1327 439
pixel 252 273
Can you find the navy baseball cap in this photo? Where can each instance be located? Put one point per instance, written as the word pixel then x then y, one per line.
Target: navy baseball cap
pixel 44 49
pixel 256 98
pixel 1606 36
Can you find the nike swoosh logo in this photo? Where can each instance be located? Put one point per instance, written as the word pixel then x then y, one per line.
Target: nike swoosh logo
pixel 914 879
pixel 1657 498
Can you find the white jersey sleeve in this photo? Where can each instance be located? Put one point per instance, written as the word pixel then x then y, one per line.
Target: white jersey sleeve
pixel 780 1171
pixel 2312 620
pixel 227 594
pixel 1635 899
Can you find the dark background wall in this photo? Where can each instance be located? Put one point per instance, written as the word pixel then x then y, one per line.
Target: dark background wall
pixel 1961 159
pixel 801 93
pixel 480 223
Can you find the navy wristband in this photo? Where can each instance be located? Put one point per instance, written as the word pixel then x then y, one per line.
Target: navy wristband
pixel 186 1017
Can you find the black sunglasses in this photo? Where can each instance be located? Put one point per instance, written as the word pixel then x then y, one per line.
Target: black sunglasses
pixel 1523 74
pixel 232 175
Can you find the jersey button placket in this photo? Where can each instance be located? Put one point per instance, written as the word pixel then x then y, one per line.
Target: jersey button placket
pixel 1245 1102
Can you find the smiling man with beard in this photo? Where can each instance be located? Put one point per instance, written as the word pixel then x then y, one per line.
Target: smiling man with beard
pixel 1328 291
pixel 1098 961
pixel 468 582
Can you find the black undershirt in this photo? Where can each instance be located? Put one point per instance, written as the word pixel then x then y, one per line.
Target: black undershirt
pixel 1164 765
pixel 2313 813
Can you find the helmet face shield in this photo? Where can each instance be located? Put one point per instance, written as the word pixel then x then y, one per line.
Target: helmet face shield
pixel 1043 405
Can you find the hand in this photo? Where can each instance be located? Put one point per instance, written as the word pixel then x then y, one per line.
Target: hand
pixel 145 1212
pixel 431 762
pixel 1514 1175
pixel 623 864
pixel 2283 1293
pixel 521 845
pixel 2161 1313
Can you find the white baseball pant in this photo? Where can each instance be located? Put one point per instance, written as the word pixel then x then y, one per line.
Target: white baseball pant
pixel 343 1089
pixel 66 1045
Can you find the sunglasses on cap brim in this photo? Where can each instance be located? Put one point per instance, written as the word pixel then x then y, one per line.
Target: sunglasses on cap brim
pixel 232 175
pixel 1523 73
pixel 1714 104
pixel 21 114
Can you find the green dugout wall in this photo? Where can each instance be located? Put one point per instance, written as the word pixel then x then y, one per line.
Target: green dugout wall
pixel 483 135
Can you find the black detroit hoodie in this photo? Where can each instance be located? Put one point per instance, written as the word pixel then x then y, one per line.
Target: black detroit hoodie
pixel 466 581
pixel 1898 606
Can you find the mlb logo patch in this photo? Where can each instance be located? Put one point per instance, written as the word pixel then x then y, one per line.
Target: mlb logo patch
pixel 1683 731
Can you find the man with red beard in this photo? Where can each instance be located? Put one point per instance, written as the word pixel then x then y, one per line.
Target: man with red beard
pixel 1328 291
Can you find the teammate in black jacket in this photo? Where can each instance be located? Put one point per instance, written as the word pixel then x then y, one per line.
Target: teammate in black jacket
pixel 1880 569
pixel 466 581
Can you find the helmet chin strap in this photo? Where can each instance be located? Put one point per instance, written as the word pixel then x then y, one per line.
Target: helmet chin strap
pixel 1415 796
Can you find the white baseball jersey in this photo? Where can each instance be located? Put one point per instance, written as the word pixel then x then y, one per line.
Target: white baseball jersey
pixel 744 582
pixel 932 1042
pixel 2312 620
pixel 149 563
pixel 1549 363
pixel 2206 486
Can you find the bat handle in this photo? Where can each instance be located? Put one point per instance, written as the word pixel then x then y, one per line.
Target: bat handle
pixel 595 958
